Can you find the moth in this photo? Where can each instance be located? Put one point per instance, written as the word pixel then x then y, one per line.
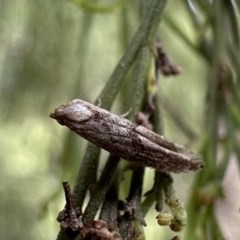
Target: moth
pixel 124 139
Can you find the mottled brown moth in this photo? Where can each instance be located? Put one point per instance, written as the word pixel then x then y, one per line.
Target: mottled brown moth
pixel 122 138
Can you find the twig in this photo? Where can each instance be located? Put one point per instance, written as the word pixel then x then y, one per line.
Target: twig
pixel 69 217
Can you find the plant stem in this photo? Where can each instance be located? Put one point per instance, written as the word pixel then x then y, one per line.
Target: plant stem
pixel 100 190
pixel 140 39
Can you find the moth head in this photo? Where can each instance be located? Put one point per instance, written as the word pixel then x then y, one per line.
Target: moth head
pixel 75 111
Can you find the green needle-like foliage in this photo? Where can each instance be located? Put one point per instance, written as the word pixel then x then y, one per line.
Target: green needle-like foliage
pixel 173 66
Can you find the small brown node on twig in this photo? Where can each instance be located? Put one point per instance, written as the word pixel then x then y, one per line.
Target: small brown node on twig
pixel 69 217
pixel 176 238
pixel 98 231
pixel 164 63
pixel 142 119
pixel 116 235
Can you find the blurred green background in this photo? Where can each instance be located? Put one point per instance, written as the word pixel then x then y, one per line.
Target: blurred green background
pixel 54 51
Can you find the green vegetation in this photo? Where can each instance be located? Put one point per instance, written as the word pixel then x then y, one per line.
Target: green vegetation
pixel 54 51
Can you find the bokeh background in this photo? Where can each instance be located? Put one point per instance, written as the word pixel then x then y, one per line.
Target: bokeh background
pixel 54 51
